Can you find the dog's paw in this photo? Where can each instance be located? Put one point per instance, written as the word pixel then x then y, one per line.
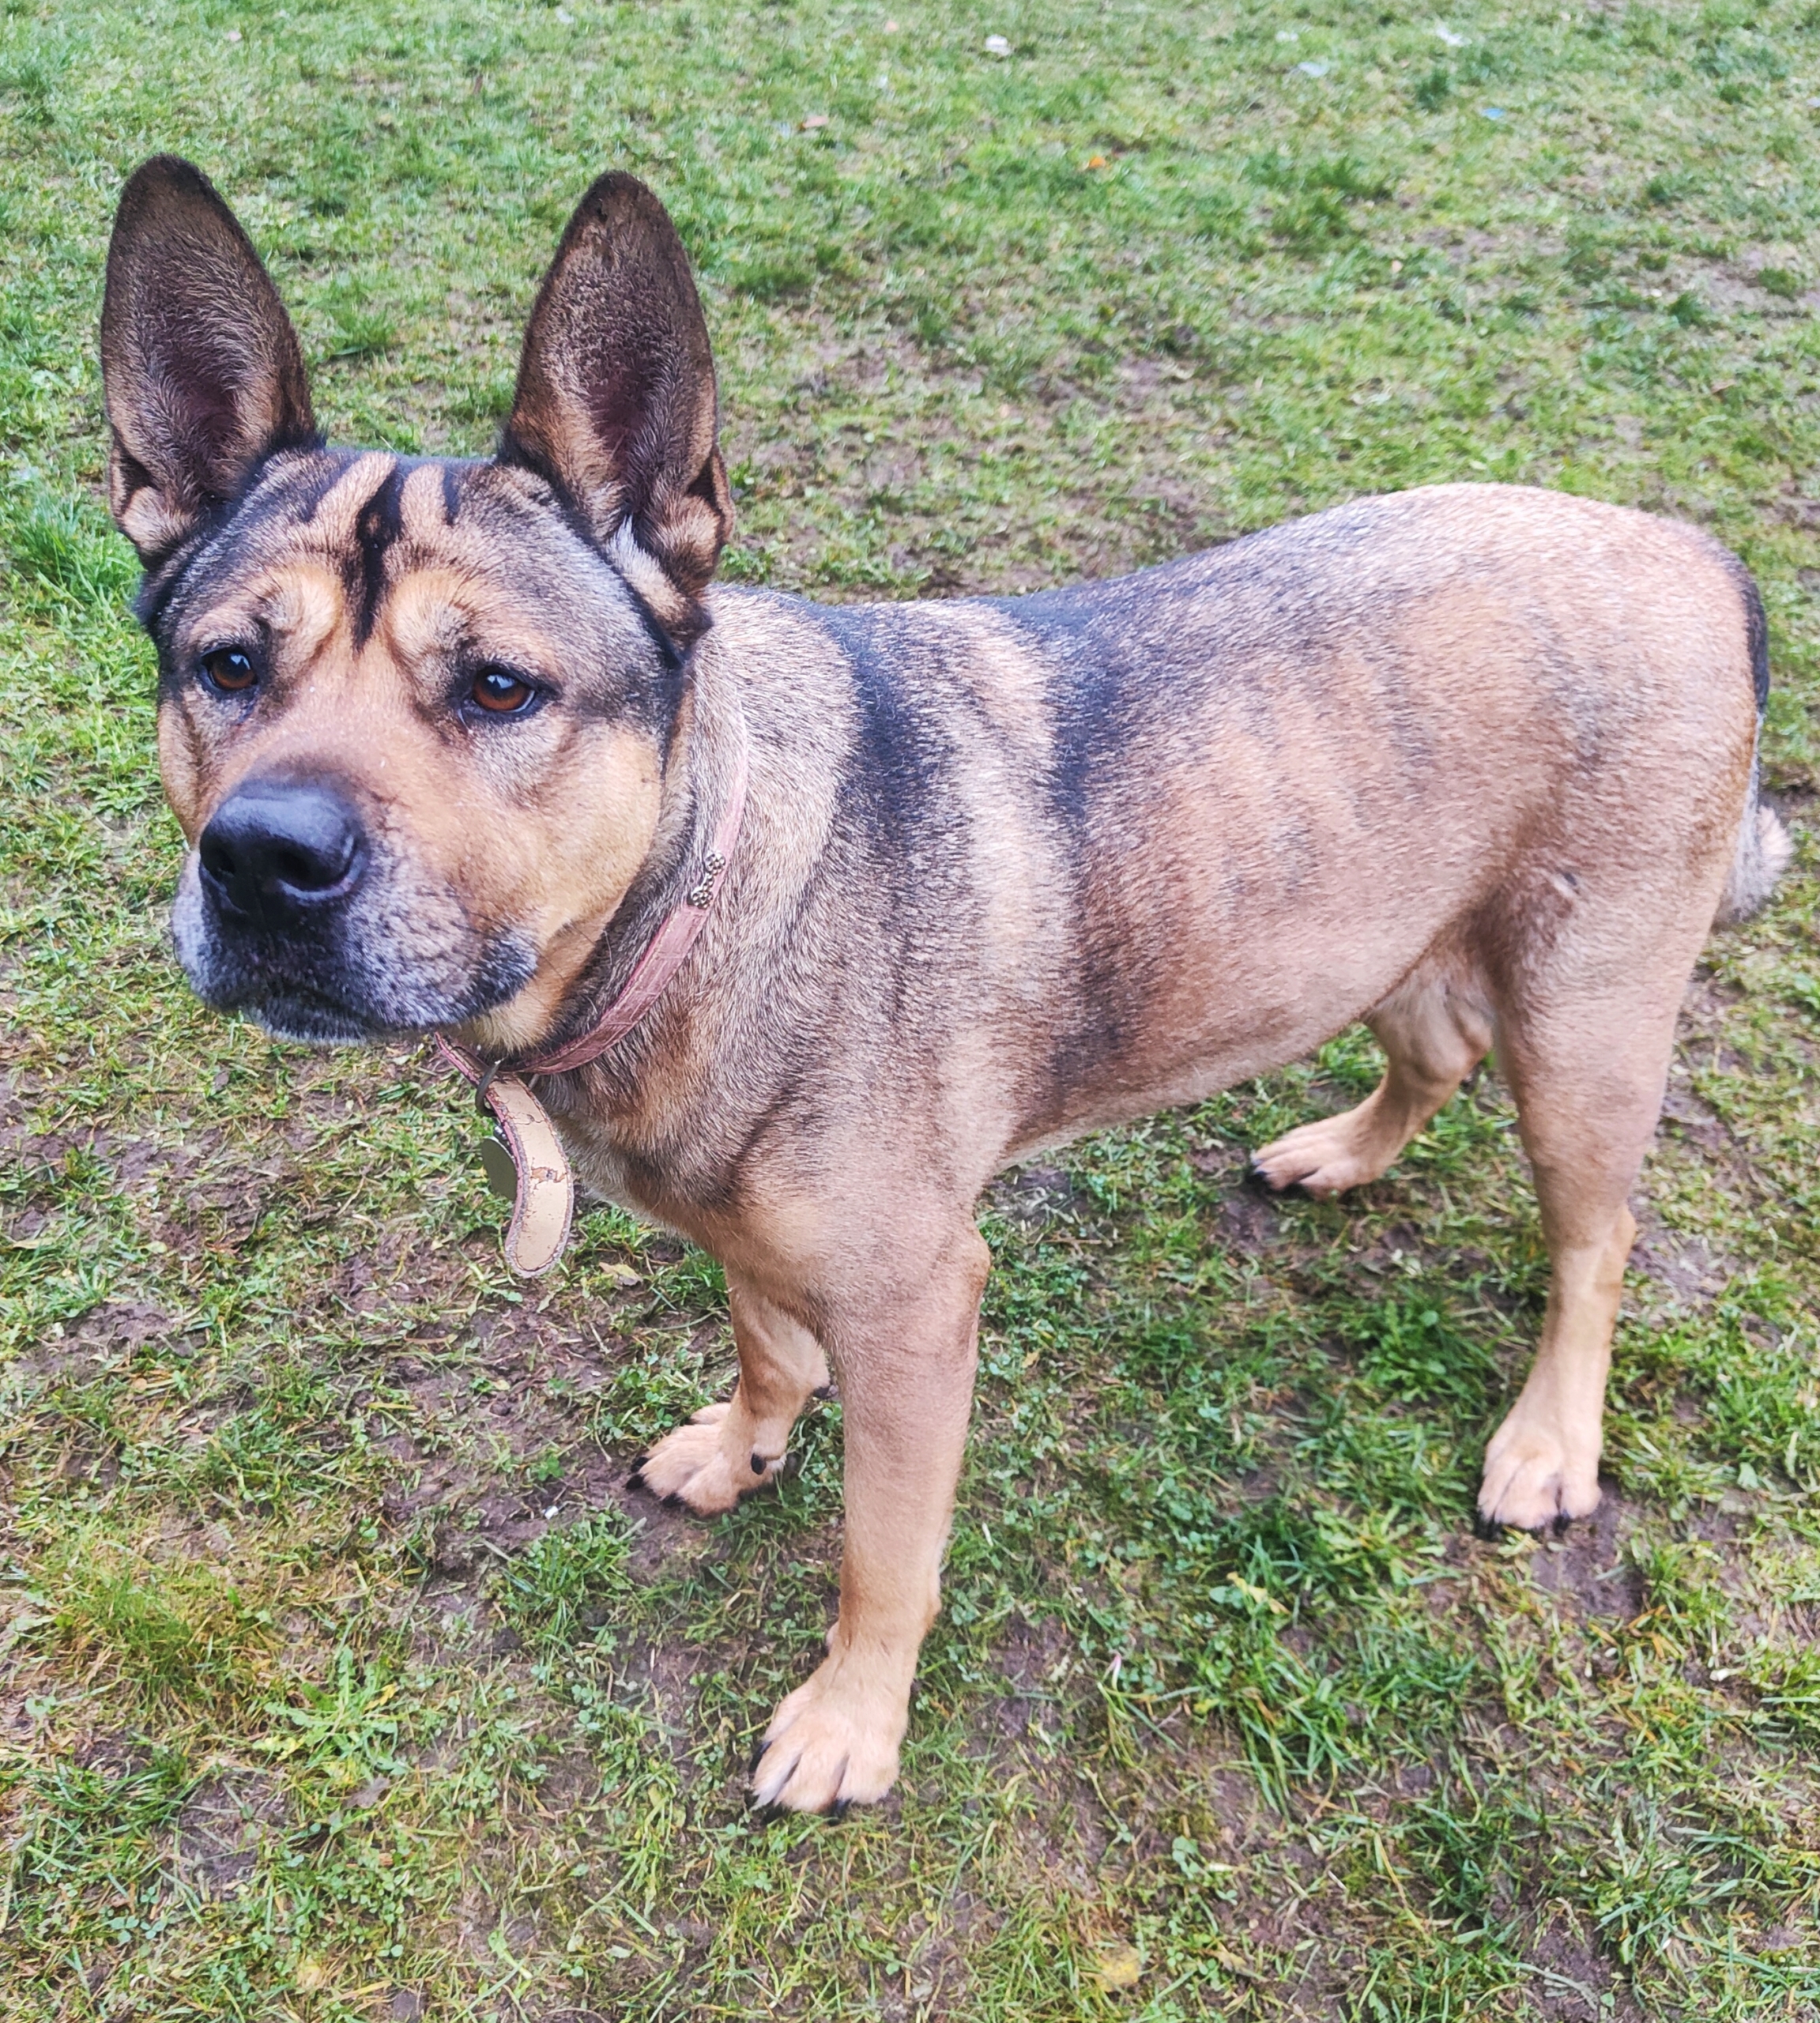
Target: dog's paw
pixel 1322 1158
pixel 833 1741
pixel 697 1466
pixel 1536 1476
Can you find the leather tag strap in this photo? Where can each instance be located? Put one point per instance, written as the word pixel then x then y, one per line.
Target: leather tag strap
pixel 545 1205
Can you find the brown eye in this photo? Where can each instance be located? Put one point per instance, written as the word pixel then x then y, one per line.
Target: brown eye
pixel 229 670
pixel 501 692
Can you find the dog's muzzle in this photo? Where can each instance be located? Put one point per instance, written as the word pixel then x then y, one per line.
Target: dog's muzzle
pixel 294 909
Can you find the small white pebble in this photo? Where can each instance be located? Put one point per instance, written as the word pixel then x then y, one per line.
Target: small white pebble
pixel 1314 69
pixel 1447 35
pixel 551 1511
pixel 233 35
pixel 1289 34
pixel 996 45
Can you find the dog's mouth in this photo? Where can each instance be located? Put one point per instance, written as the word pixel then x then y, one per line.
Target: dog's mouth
pixel 380 964
pixel 297 909
pixel 296 1012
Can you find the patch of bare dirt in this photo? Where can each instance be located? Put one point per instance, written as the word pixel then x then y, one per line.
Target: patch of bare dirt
pixel 494 1448
pixel 1585 1565
pixel 808 454
pixel 1574 1980
pixel 217 1838
pixel 1686 1268
pixel 1035 1195
pixel 1247 1220
pixel 1034 1658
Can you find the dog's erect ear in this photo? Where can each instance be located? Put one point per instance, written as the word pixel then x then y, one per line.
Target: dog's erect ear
pixel 616 399
pixel 200 368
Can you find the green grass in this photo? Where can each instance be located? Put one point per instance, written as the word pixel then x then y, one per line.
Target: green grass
pixel 308 1709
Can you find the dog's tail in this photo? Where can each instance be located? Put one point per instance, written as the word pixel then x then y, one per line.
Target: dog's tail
pixel 1764 848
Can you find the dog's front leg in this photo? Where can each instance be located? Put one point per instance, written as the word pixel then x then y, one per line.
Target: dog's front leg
pixel 906 1367
pixel 728 1450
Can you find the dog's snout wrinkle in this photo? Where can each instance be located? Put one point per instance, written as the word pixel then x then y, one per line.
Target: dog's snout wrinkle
pixel 277 849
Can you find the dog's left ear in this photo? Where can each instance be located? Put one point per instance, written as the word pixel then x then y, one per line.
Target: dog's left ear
pixel 616 402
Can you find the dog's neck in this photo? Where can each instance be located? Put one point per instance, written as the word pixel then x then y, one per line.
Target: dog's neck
pixel 703 777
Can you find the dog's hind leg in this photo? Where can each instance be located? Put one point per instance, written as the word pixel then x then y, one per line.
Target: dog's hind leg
pixel 1587 1074
pixel 728 1450
pixel 1435 1029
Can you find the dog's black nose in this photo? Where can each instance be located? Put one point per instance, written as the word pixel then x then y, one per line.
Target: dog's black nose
pixel 275 849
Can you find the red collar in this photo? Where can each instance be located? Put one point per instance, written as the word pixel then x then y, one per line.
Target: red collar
pixel 665 953
pixel 540 1183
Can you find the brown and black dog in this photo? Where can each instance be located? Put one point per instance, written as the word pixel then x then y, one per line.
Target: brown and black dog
pixel 1474 764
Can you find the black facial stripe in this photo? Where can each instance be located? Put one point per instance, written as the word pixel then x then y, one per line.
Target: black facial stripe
pixel 669 652
pixel 379 526
pixel 158 588
pixel 307 492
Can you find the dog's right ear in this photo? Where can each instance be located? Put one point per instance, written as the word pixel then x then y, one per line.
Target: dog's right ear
pixel 201 373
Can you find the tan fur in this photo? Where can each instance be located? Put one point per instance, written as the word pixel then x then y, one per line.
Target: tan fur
pixel 1476 764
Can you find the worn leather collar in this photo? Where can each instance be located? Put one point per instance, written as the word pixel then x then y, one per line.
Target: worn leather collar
pixel 544 1187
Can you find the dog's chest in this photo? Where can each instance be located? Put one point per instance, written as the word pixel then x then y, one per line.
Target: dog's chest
pixel 599 1169
pixel 602 1173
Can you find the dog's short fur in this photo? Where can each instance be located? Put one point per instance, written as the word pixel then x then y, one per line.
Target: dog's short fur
pixel 1476 764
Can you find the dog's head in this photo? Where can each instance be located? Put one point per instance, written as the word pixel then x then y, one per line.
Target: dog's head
pixel 414 714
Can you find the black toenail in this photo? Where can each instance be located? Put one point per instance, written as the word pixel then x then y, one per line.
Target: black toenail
pixel 636 1479
pixel 757 1464
pixel 822 1391
pixel 1487 1528
pixel 1561 1521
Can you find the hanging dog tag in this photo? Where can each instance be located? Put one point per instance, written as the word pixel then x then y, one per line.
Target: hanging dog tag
pixel 525 1163
pixel 530 1168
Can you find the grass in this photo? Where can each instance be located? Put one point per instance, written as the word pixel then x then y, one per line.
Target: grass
pixel 339 1676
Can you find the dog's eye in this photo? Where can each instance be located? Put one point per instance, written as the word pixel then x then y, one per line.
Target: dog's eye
pixel 501 693
pixel 229 670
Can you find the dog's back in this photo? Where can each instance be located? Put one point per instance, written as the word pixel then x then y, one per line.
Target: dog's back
pixel 1156 834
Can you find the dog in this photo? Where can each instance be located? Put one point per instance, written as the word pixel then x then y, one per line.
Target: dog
pixel 449 741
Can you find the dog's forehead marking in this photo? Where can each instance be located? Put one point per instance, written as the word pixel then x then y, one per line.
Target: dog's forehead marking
pixel 431 610
pixel 436 608
pixel 336 518
pixel 298 595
